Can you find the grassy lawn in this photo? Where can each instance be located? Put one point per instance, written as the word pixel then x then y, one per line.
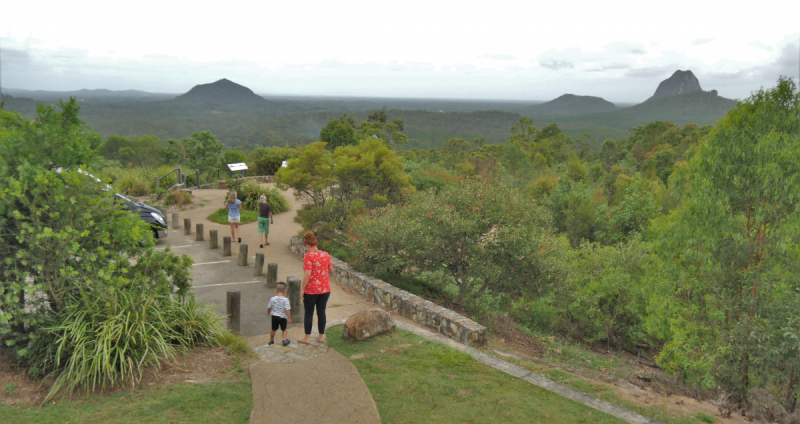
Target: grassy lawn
pixel 221 216
pixel 199 403
pixel 414 380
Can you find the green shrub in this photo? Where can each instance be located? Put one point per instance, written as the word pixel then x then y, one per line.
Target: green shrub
pixel 220 216
pixel 249 191
pixel 106 339
pixel 139 188
pixel 178 198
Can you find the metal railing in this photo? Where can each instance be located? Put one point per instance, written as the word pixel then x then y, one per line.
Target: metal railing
pixel 195 179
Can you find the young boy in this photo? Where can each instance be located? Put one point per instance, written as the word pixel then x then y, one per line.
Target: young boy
pixel 278 309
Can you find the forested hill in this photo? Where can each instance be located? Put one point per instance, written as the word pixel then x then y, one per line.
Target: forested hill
pixel 570 104
pixel 222 92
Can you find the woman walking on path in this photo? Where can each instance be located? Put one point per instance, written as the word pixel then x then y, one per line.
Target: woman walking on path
pixel 316 288
pixel 264 219
pixel 233 205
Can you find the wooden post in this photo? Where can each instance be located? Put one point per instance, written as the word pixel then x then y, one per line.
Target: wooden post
pixel 197 178
pixel 226 246
pixel 199 232
pixel 175 222
pixel 272 275
pixel 180 175
pixel 298 313
pixel 233 308
pixel 258 269
pixel 187 226
pixel 158 183
pixel 212 234
pixel 242 255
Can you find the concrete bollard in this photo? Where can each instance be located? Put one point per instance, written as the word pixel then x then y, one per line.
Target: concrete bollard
pixel 242 255
pixel 187 226
pixel 272 276
pixel 258 269
pixel 226 246
pixel 298 313
pixel 175 222
pixel 233 302
pixel 199 232
pixel 212 234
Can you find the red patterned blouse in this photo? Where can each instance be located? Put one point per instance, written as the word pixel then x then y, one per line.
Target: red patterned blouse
pixel 317 262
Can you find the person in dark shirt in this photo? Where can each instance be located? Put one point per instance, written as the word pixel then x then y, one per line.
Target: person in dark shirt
pixel 264 219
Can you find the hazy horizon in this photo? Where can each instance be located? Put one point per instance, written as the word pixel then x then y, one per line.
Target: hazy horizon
pixel 512 51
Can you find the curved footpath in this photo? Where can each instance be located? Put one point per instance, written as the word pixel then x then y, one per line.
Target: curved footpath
pixel 298 383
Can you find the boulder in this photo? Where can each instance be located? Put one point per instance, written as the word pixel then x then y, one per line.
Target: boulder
pixel 366 324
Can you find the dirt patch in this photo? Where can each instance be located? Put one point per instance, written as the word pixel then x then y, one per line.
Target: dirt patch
pixel 504 330
pixel 199 365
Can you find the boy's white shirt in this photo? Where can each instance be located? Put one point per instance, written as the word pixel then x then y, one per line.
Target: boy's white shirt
pixel 283 304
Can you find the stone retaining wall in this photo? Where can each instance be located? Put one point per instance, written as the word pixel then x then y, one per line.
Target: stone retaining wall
pixel 444 321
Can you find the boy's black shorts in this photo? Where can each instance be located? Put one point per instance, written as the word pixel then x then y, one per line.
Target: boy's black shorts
pixel 278 322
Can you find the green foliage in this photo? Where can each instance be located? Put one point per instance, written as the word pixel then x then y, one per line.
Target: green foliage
pixel 727 283
pixel 63 237
pixel 232 156
pixel 144 151
pixel 249 191
pixel 485 238
pixel 631 215
pixel 200 151
pixel 137 329
pixel 268 160
pixel 178 198
pixel 339 132
pixel 573 208
pixel 134 181
pixel 220 216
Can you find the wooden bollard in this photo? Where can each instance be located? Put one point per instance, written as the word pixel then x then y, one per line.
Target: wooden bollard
pixel 242 255
pixel 187 226
pixel 226 246
pixel 199 232
pixel 258 269
pixel 175 222
pixel 233 309
pixel 294 284
pixel 272 275
pixel 212 234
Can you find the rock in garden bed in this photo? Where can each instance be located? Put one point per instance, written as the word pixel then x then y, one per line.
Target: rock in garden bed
pixel 366 324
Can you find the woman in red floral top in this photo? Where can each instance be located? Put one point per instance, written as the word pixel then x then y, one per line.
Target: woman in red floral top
pixel 316 288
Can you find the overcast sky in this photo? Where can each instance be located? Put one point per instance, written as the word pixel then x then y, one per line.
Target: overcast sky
pixel 525 50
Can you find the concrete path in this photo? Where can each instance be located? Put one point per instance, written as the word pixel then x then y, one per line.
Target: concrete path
pixel 292 384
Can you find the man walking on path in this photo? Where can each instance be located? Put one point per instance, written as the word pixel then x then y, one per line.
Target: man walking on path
pixel 264 219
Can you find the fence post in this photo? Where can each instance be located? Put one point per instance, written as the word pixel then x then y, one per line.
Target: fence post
pixel 233 308
pixel 226 246
pixel 175 222
pixel 212 234
pixel 197 178
pixel 199 231
pixel 294 284
pixel 242 255
pixel 158 182
pixel 187 226
pixel 272 275
pixel 258 269
pixel 180 175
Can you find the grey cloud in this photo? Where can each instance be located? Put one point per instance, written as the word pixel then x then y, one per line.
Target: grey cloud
pixel 499 56
pixel 701 41
pixel 652 71
pixel 557 64
pixel 637 51
pixel 609 67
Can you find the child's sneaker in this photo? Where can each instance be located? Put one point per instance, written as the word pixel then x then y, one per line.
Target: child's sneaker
pixel 272 343
pixel 286 342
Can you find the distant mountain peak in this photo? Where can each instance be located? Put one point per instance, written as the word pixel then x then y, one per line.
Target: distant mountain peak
pixel 679 83
pixel 571 104
pixel 221 91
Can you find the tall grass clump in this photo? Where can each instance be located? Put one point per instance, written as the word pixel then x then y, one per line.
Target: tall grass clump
pixel 108 340
pixel 134 181
pixel 177 198
pixel 249 192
